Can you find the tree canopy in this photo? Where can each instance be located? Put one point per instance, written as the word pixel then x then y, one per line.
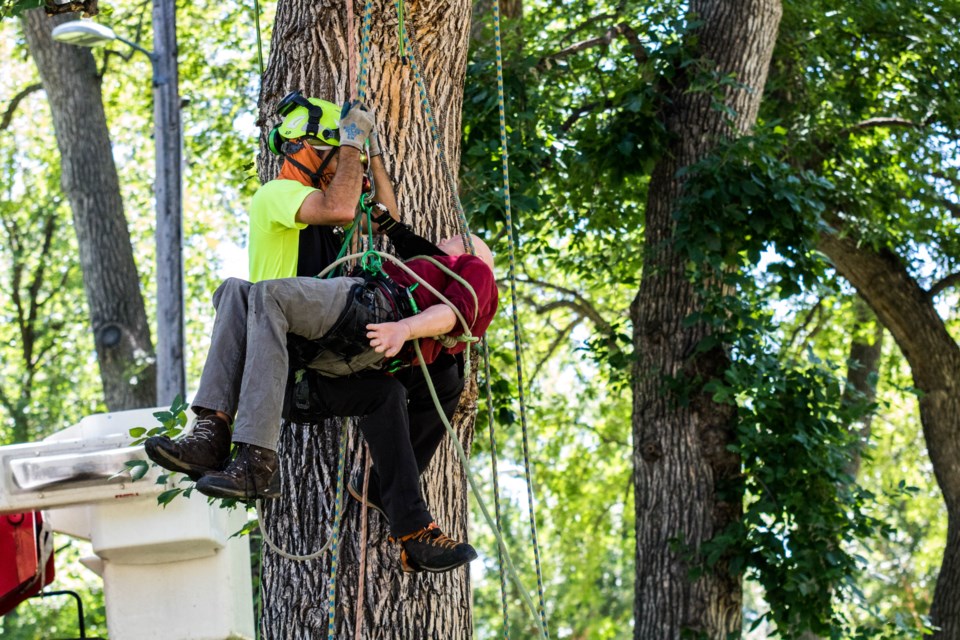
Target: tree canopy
pixel 830 222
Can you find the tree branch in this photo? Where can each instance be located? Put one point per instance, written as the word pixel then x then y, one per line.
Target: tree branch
pixel 583 110
pixel 15 102
pixel 899 302
pixel 807 319
pixel 5 400
pixel 951 280
pixel 639 53
pixel 579 303
pixel 824 147
pixel 38 276
pixel 588 23
pixel 953 180
pixel 562 335
pixel 876 123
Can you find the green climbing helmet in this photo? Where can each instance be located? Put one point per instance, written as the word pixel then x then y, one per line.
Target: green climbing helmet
pixel 306 118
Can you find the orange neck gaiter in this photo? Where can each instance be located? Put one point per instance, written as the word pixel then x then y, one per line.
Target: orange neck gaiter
pixel 310 159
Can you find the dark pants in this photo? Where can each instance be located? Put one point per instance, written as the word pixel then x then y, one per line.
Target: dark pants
pixel 402 429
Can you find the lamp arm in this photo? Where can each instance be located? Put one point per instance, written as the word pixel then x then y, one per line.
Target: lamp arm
pixel 157 79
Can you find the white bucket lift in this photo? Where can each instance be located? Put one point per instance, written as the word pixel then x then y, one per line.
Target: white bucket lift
pixel 169 573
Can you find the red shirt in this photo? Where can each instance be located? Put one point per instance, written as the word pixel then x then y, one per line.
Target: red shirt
pixel 473 270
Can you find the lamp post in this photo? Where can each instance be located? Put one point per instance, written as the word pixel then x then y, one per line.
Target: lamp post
pixel 171 373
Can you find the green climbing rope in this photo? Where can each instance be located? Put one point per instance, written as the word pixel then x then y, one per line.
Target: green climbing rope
pixel 468 472
pixel 414 57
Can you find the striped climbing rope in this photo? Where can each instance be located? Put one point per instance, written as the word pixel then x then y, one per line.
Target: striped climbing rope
pixel 496 486
pixel 425 102
pixel 335 536
pixel 505 158
pixel 363 79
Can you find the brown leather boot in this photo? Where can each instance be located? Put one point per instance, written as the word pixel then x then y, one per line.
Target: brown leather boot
pixel 205 449
pixel 251 475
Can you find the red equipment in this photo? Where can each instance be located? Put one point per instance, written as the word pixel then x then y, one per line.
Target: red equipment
pixel 26 558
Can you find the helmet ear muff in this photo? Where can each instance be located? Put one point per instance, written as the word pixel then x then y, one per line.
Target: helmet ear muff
pixel 275 141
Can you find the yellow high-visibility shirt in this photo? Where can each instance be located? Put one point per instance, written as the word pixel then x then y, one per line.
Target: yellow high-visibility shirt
pixel 274 235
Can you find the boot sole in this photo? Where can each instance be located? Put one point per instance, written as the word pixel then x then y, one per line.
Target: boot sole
pixel 170 463
pixel 411 567
pixel 216 491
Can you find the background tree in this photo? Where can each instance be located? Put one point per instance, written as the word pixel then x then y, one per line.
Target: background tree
pixel 681 453
pixel 889 226
pixel 117 315
pixel 59 382
pixel 40 277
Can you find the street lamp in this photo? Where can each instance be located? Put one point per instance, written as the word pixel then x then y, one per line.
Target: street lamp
pixel 171 373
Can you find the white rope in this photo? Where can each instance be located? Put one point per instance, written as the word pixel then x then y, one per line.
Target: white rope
pixel 444 340
pixel 280 552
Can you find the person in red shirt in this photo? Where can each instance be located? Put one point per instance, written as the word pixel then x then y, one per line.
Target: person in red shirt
pixel 359 323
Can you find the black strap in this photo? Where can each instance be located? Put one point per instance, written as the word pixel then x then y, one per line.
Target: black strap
pixel 407 243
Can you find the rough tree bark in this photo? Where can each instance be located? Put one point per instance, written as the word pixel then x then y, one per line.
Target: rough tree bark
pixel 908 312
pixel 310 52
pixel 680 451
pixel 89 177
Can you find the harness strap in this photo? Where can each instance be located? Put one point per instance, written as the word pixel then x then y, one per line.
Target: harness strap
pixel 347 337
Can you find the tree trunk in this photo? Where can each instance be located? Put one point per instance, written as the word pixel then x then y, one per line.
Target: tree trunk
pixel 309 52
pixel 680 452
pixel 864 366
pixel 866 347
pixel 89 178
pixel 908 312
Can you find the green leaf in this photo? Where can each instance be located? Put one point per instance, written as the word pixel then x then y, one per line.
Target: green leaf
pixel 167 496
pixel 139 471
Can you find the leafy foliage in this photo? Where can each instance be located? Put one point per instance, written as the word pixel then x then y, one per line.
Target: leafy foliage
pixel 584 100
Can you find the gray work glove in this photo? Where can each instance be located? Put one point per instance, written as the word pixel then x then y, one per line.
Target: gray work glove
pixel 374 143
pixel 356 123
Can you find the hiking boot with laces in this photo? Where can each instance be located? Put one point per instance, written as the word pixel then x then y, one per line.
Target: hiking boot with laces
pixel 430 550
pixel 251 475
pixel 355 489
pixel 205 449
